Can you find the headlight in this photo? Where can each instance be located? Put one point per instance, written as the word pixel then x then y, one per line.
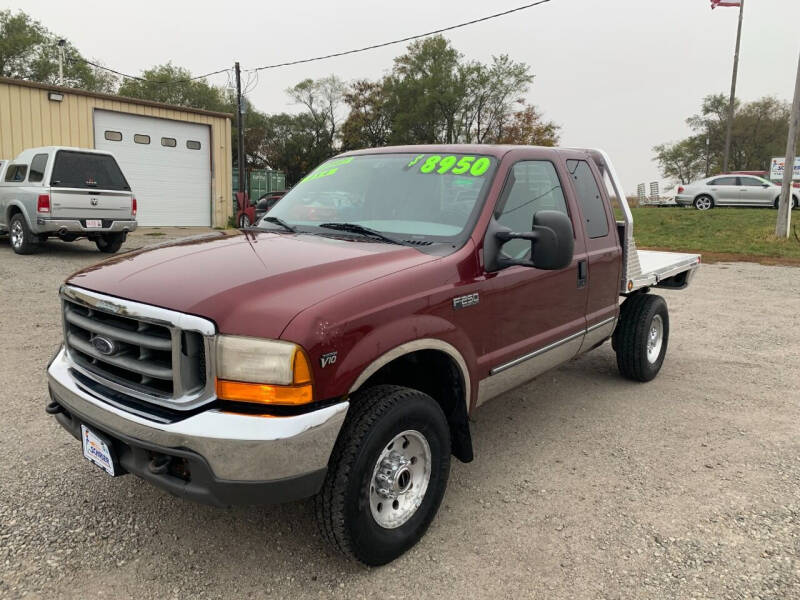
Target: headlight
pixel 262 371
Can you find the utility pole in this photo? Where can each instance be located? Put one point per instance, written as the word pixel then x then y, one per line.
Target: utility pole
pixel 61 44
pixel 785 204
pixel 240 131
pixel 733 90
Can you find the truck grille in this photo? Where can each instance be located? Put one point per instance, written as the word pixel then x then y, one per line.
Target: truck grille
pixel 144 356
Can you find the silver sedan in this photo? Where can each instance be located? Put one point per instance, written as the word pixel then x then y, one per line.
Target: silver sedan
pixel 731 190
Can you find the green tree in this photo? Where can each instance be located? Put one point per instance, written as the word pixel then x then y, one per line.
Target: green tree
pixel 528 127
pixel 322 99
pixel 369 123
pixel 30 51
pixel 434 96
pixel 683 161
pixel 171 84
pixel 758 133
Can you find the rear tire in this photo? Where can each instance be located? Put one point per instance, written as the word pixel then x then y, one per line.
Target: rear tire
pixel 640 339
pixel 377 502
pixel 20 236
pixel 110 242
pixel 778 200
pixel 704 202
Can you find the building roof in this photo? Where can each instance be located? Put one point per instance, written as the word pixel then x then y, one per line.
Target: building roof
pixel 114 97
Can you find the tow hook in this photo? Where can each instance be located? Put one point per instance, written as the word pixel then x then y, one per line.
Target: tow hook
pixel 54 408
pixel 159 464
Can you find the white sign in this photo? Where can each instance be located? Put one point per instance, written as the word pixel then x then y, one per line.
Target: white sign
pixel 777 166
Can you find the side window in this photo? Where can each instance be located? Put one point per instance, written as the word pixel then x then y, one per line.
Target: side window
pixel 589 198
pixel 532 185
pixel 750 181
pixel 38 164
pixel 16 173
pixel 723 181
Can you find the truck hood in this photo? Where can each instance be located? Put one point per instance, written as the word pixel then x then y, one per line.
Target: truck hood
pixel 247 283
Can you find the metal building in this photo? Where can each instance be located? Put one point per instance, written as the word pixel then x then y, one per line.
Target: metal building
pixel 177 160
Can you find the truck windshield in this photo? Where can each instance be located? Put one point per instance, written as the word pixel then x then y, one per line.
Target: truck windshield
pixel 430 197
pixel 87 170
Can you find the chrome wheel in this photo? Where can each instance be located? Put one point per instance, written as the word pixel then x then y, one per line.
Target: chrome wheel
pixel 655 338
pixel 17 234
pixel 400 479
pixel 703 203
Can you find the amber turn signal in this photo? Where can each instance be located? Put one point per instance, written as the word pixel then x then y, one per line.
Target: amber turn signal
pixel 260 393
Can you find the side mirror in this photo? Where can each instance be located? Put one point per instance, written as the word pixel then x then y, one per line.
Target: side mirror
pixel 552 243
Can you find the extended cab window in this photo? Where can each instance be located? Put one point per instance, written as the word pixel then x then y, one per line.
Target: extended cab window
pixel 589 198
pixel 87 170
pixel 532 185
pixel 38 164
pixel 16 172
pixel 420 197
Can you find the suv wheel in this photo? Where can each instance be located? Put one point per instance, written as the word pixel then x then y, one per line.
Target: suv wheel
pixel 110 242
pixel 703 203
pixel 21 238
pixel 387 474
pixel 640 339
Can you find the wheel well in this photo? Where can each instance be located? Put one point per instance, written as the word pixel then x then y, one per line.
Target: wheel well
pixel 705 195
pixel 12 210
pixel 435 373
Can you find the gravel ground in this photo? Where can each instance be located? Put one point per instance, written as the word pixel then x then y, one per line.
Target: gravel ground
pixel 584 485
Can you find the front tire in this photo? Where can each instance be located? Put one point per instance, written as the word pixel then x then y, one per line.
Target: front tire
pixel 640 339
pixel 387 474
pixel 110 242
pixel 704 202
pixel 20 236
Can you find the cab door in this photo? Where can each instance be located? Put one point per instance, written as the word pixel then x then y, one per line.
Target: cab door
pixel 529 320
pixel 603 249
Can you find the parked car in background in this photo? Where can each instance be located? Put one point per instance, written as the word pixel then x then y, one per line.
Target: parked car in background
pixel 66 193
pixel 731 190
pixel 259 208
pixel 266 202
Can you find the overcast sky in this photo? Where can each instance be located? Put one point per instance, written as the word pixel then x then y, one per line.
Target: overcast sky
pixel 622 75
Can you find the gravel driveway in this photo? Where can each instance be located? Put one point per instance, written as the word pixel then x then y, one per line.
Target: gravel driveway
pixel 584 485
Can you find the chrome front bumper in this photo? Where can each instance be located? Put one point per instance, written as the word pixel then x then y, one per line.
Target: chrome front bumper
pixel 237 448
pixel 44 225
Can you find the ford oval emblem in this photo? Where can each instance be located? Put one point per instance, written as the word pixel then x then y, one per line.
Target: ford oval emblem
pixel 103 345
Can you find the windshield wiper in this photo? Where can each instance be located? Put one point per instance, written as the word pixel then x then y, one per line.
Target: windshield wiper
pixel 278 221
pixel 367 231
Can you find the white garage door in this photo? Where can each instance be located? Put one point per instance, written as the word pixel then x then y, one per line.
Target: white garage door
pixel 167 163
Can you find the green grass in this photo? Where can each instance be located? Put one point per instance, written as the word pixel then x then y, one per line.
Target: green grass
pixel 749 232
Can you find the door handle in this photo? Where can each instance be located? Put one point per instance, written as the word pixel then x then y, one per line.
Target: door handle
pixel 582 273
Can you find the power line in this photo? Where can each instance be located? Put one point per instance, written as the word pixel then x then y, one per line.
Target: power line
pixel 405 39
pixel 127 76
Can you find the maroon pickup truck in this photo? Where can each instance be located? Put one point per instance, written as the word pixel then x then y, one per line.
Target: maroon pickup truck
pixel 337 348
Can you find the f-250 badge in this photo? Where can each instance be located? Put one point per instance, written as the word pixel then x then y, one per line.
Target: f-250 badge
pixel 465 301
pixel 327 359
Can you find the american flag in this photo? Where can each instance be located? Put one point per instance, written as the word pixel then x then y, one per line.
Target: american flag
pixel 716 3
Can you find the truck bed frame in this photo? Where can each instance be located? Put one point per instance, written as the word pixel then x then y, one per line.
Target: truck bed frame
pixel 642 269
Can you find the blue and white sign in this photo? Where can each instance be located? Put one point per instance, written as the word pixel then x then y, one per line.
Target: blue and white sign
pixel 778 165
